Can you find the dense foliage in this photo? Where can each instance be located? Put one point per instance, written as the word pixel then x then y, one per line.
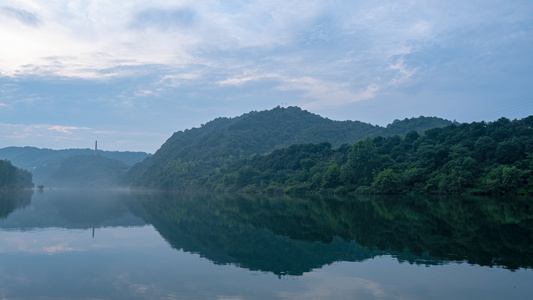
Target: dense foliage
pixel 189 158
pixel 476 158
pixel 13 177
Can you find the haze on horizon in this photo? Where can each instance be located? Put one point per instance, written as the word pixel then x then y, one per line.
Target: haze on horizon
pixel 130 73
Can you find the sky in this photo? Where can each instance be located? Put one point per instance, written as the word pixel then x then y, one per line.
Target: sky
pixel 131 73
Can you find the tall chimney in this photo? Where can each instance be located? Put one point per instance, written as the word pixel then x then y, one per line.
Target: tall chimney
pixel 95 147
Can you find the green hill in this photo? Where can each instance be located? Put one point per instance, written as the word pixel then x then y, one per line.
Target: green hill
pixel 187 157
pixel 87 171
pixel 12 177
pixel 476 158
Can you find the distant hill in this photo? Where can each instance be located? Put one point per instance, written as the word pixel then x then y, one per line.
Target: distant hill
pixel 42 163
pixel 195 152
pixel 87 171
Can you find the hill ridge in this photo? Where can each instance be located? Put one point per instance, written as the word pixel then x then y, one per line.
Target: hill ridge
pixel 198 151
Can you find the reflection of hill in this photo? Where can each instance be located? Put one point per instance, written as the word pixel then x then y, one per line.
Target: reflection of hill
pixel 219 230
pixel 292 236
pixel 73 209
pixel 11 200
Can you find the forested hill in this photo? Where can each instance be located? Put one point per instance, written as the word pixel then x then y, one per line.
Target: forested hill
pixel 12 177
pixel 476 158
pixel 196 152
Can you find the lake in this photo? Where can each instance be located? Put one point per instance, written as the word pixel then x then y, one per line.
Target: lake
pixel 62 244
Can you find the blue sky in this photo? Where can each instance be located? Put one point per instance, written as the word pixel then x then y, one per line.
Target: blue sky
pixel 130 73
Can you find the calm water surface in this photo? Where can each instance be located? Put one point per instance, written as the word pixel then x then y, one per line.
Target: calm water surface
pixel 118 245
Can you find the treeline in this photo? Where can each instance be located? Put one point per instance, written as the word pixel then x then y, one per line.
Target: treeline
pixel 476 158
pixel 14 178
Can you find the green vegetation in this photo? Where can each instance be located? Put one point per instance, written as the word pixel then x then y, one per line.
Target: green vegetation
pixel 229 155
pixel 194 159
pixel 476 158
pixel 14 178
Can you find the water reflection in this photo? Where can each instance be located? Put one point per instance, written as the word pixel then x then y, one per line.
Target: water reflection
pixel 78 209
pixel 11 200
pixel 186 246
pixel 293 235
pixel 286 235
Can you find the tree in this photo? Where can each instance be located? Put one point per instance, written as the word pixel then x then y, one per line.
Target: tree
pixel 331 178
pixel 387 182
pixel 361 163
pixel 508 152
pixel 485 148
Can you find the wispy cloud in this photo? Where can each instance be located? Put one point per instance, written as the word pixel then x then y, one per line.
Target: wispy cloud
pixel 61 137
pixel 63 129
pixel 17 133
pixel 164 19
pixel 24 17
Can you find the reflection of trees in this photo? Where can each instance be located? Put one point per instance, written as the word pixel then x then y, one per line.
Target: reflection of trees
pixel 483 231
pixel 11 200
pixel 233 229
pixel 287 235
pixel 81 209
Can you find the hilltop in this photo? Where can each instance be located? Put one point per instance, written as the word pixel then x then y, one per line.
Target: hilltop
pixel 188 156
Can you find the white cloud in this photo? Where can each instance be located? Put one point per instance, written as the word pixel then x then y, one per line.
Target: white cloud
pixel 176 80
pixel 329 94
pixel 19 131
pixel 404 72
pixel 100 39
pixel 63 129
pixel 248 76
pixel 83 40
